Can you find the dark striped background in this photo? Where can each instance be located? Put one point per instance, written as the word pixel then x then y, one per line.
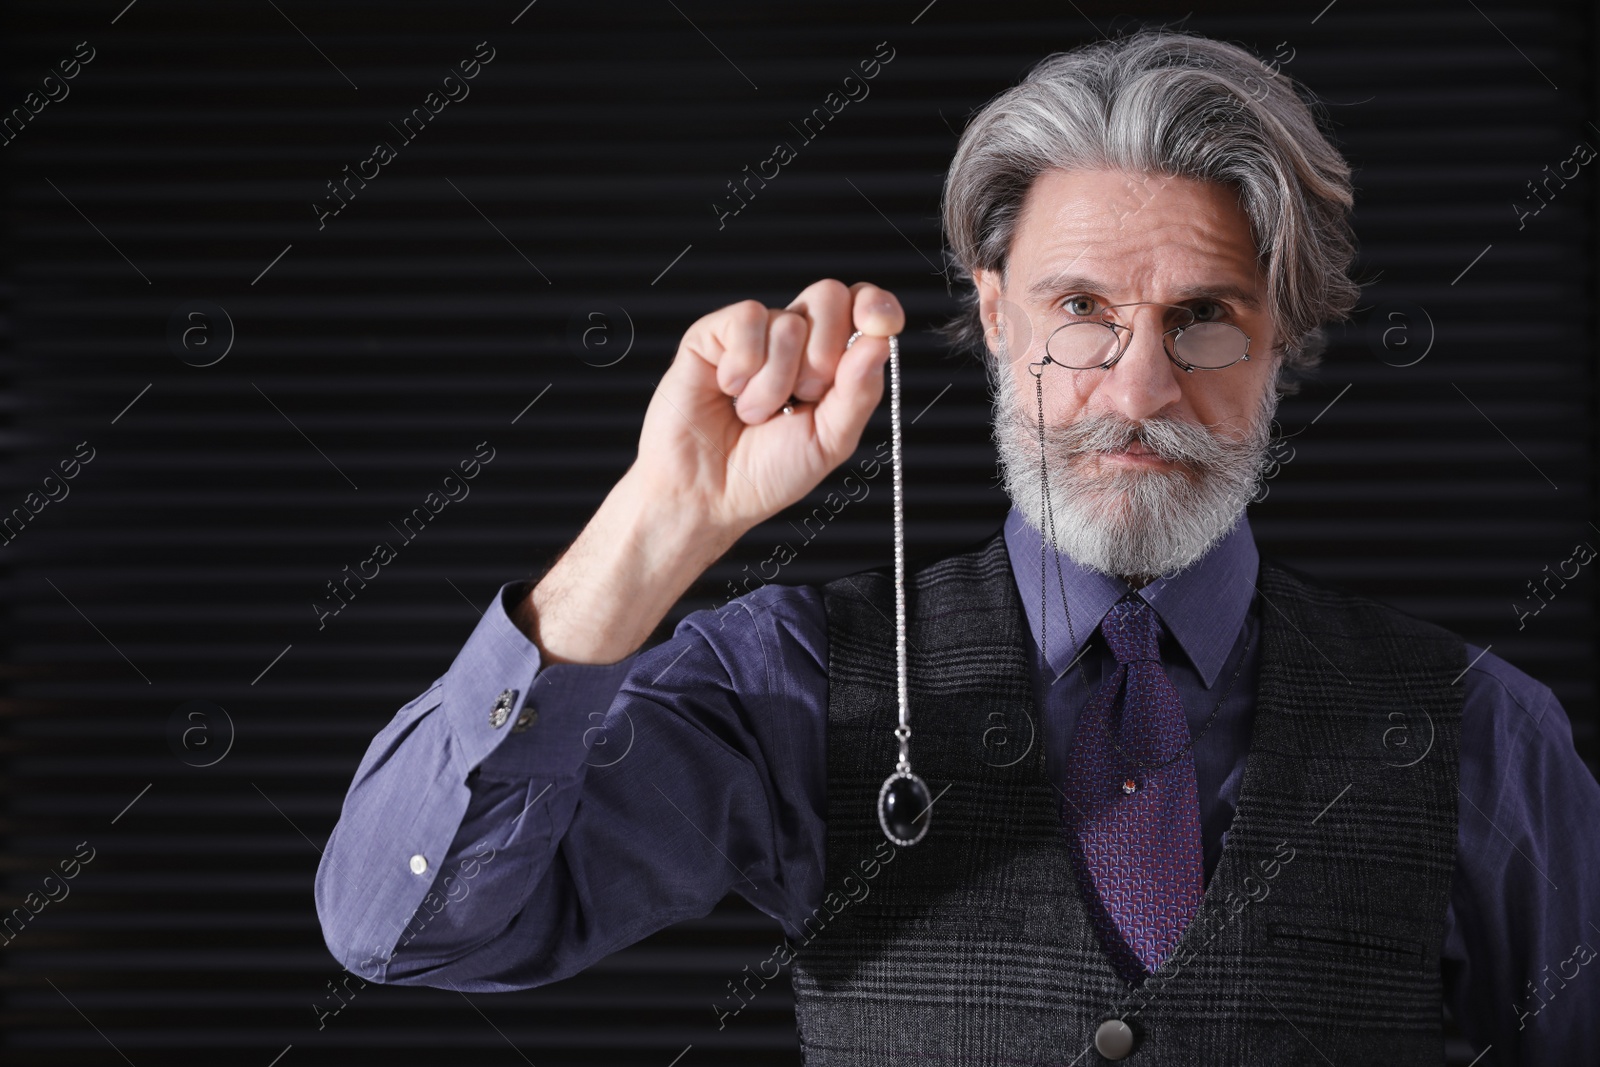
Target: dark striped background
pixel 425 318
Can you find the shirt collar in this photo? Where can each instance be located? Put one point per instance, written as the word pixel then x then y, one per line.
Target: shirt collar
pixel 1203 607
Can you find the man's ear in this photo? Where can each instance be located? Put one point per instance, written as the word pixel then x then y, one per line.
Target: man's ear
pixel 1003 318
pixel 991 289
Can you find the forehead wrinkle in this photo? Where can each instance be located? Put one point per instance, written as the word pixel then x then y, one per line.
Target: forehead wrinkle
pixel 1069 280
pixel 1203 242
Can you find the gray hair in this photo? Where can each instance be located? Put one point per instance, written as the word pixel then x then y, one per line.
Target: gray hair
pixel 1172 103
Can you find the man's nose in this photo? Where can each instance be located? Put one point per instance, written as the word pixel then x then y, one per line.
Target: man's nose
pixel 1144 381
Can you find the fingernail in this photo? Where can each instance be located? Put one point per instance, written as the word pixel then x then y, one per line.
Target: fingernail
pixel 808 388
pixel 736 386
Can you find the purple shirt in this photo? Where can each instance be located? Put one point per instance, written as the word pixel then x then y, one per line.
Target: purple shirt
pixel 615 800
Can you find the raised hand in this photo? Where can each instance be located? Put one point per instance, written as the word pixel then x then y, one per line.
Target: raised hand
pixel 717 456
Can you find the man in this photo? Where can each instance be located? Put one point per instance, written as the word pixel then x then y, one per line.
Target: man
pixel 1188 806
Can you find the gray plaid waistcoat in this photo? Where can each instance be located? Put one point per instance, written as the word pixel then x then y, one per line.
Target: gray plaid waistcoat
pixel 1318 936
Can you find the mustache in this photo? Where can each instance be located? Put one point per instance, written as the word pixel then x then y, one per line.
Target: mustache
pixel 1178 441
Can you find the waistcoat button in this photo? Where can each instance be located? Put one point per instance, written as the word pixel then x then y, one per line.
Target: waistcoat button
pixel 1114 1039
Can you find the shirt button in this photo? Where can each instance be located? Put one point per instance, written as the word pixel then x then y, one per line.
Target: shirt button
pixel 502 708
pixel 1114 1039
pixel 419 864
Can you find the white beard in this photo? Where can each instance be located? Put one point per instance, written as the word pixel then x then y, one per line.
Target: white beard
pixel 1120 521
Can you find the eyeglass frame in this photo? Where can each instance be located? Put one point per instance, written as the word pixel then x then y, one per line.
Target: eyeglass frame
pixel 1124 339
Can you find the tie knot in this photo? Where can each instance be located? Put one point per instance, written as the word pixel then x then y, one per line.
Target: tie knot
pixel 1130 629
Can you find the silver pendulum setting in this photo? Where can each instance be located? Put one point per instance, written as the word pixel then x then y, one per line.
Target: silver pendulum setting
pixel 905 807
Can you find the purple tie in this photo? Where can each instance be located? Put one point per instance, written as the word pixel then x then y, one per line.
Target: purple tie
pixel 1135 825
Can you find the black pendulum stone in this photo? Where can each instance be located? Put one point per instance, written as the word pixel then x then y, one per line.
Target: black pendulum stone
pixel 904 808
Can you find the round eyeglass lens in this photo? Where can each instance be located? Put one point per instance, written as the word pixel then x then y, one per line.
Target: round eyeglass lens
pixel 1082 345
pixel 1085 345
pixel 1210 344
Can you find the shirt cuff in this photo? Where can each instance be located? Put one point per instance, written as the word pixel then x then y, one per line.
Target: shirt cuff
pixel 499 689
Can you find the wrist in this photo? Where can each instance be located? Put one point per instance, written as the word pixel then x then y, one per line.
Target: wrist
pixel 678 534
pixel 607 593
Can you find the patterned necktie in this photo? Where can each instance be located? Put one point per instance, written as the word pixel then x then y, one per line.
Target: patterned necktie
pixel 1135 832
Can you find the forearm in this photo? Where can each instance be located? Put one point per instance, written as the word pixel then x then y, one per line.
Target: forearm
pixel 612 587
pixel 586 832
pixel 637 794
pixel 399 837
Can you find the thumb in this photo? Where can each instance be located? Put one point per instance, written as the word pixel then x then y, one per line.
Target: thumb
pixel 857 389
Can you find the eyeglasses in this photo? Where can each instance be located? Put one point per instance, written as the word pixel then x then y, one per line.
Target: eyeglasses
pixel 1090 343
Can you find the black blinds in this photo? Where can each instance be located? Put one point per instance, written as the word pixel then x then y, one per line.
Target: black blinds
pixel 258 341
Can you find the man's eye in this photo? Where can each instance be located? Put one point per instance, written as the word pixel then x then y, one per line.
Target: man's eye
pixel 1208 311
pixel 1078 305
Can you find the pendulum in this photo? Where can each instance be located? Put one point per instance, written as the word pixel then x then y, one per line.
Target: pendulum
pixel 905 807
pixel 904 804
